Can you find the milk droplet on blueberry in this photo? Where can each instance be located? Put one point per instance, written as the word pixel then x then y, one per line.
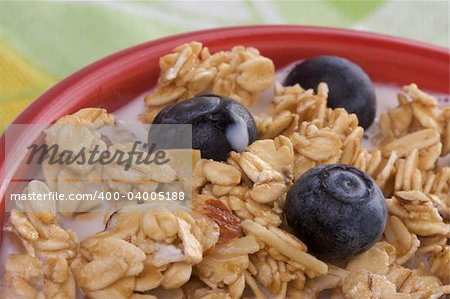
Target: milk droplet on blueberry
pixel 219 124
pixel 237 135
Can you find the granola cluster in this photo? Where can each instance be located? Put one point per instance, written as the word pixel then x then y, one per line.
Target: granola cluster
pixel 191 69
pixel 234 243
pixel 143 251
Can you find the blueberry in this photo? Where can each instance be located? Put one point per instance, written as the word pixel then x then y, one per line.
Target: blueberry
pixel 350 87
pixel 337 210
pixel 219 124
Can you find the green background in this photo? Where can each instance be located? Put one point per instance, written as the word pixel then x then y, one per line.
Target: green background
pixel 42 42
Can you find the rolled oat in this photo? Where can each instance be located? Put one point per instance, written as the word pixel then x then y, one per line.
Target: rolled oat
pixel 234 241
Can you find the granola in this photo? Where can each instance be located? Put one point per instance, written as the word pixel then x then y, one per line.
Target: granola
pixel 190 69
pixel 234 243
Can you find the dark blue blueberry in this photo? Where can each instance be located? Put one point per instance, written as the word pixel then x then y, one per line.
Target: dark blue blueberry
pixel 219 124
pixel 350 87
pixel 337 210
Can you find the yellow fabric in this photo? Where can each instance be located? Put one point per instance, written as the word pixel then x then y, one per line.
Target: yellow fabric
pixel 20 83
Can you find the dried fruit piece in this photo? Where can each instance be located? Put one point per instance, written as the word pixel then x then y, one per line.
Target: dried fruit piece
pixel 228 223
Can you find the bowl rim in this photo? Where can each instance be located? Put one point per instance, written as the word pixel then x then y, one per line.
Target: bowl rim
pixel 51 94
pixel 34 112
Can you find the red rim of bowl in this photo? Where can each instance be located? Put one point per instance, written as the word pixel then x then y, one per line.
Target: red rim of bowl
pixel 84 86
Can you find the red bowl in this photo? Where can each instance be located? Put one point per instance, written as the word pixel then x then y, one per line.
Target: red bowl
pixel 116 79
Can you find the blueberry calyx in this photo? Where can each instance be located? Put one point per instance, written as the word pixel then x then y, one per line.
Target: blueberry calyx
pixel 346 184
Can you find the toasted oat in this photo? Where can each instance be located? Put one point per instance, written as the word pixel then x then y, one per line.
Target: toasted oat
pixel 364 284
pixel 253 183
pixel 158 248
pixel 120 249
pixel 150 278
pixel 102 272
pixel 405 243
pixel 289 249
pixel 333 279
pixel 307 105
pixel 24 266
pixel 440 264
pixel 28 277
pixel 83 136
pixel 233 239
pixel 176 275
pixel 418 213
pixel 271 268
pixel 140 177
pixel 268 163
pixel 226 264
pixel 285 124
pixel 123 288
pixel 221 174
pixel 417 140
pixel 23 226
pixel 318 145
pixel 417 111
pixel 38 228
pixel 189 70
pixel 375 260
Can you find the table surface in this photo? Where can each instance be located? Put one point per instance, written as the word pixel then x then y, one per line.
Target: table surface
pixel 42 42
